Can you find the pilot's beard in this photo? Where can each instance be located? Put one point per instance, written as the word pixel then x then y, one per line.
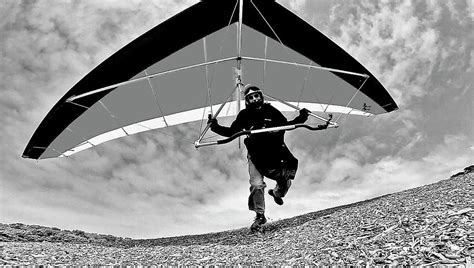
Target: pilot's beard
pixel 255 105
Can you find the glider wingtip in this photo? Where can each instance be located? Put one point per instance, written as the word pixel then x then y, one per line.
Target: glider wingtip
pixel 24 156
pixel 392 107
pixel 32 153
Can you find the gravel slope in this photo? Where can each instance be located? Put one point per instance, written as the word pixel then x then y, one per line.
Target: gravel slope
pixel 432 224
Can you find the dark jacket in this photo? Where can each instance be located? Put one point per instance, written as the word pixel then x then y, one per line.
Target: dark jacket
pixel 267 150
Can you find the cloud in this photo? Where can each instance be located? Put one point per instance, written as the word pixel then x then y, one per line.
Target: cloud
pixel 400 47
pixel 296 5
pixel 53 44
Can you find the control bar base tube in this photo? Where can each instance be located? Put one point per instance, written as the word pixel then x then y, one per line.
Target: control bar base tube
pixel 199 144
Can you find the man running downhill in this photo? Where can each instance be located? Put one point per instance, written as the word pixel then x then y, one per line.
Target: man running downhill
pixel 268 155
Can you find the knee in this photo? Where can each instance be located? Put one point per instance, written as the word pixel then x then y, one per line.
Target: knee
pixel 256 181
pixel 257 184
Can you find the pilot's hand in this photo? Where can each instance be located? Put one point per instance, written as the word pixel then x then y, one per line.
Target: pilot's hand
pixel 304 113
pixel 212 122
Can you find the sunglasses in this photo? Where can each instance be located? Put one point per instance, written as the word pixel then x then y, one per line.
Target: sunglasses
pixel 253 96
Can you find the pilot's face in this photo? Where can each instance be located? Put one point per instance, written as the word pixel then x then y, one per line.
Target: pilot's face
pixel 254 97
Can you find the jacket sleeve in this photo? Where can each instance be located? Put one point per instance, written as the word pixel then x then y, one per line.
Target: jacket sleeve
pixel 282 121
pixel 235 127
pixel 298 120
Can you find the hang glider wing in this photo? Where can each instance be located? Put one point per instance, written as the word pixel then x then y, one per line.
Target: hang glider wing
pixel 184 68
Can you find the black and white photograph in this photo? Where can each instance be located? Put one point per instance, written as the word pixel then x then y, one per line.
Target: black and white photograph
pixel 236 133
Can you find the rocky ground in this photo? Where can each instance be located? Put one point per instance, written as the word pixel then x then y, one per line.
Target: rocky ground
pixel 429 225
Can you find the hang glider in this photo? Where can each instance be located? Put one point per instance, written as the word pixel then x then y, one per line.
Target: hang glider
pixel 194 64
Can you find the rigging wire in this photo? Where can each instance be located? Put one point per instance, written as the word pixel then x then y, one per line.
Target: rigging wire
pixel 155 95
pixel 329 103
pixel 288 51
pixel 204 46
pixel 229 97
pixel 219 53
pixel 265 61
pixel 266 40
pixel 202 117
pixel 114 117
pixel 304 84
pixel 347 105
pixel 268 24
pixel 210 137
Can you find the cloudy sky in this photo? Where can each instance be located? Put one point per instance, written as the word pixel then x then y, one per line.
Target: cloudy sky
pixel 156 184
